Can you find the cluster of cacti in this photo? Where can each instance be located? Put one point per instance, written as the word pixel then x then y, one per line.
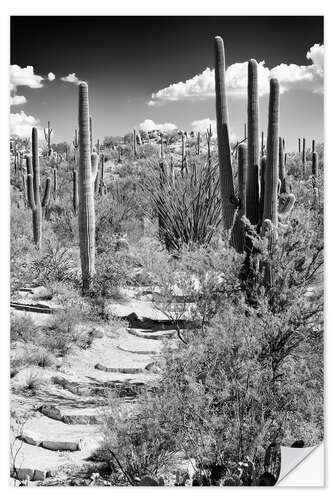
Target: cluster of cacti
pixel 261 202
pixel 47 135
pixel 33 189
pixel 86 194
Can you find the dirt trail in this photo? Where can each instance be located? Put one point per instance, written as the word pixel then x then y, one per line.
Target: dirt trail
pixel 66 411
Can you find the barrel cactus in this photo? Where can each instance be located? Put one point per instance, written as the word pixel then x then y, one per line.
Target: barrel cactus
pixel 86 194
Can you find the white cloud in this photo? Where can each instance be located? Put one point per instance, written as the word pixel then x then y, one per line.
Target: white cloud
pixel 292 77
pixel 24 77
pixel 316 54
pixel 51 76
pixel 21 124
pixel 203 125
pixel 17 99
pixel 151 125
pixel 70 78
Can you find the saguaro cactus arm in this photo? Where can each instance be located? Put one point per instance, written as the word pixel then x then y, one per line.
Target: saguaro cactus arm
pixel 30 190
pixel 47 192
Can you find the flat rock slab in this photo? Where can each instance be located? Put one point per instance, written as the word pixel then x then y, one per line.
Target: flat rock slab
pixel 144 310
pixel 33 474
pixel 38 307
pixel 152 335
pixel 108 369
pixel 55 435
pixel 73 416
pixel 136 344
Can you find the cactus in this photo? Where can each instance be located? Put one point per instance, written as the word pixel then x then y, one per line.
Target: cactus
pixel 134 143
pixel 282 170
pixel 28 165
pixel 262 145
pixel 86 196
pixel 98 148
pixel 75 193
pixel 94 167
pixel 252 191
pixel 239 228
pixel 262 188
pixel 183 152
pixel 76 146
pixel 90 134
pixel 271 174
pixel 299 146
pixel 304 157
pixel 101 181
pixel 315 165
pixel 47 134
pixel 161 147
pixel 55 183
pixel 33 181
pixel 198 143
pixel 222 121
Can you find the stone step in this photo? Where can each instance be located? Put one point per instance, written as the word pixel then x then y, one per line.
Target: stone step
pixel 38 307
pixel 130 371
pixel 42 431
pixel 73 416
pixel 152 334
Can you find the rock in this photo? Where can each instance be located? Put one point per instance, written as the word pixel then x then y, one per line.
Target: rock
pixel 148 481
pixel 61 445
pixel 23 474
pixel 29 439
pixel 51 412
pixel 39 475
pixel 130 371
pixel 97 333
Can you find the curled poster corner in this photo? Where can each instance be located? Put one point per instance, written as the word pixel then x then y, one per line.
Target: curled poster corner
pixel 302 466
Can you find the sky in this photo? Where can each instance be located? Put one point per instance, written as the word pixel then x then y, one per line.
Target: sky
pixel 157 72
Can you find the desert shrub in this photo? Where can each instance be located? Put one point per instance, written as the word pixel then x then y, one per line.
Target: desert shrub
pixel 220 399
pixel 53 264
pixel 114 269
pixel 22 328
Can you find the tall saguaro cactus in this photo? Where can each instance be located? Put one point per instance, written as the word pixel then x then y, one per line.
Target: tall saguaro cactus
pixel 33 180
pixel 252 191
pixel 86 195
pixel 222 123
pixel 304 156
pixel 47 134
pixel 271 171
